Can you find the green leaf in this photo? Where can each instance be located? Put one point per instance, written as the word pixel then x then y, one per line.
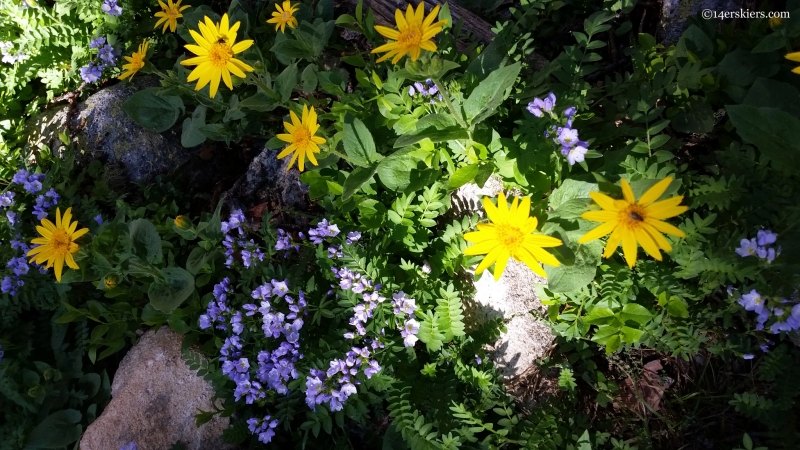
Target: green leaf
pixel 770 43
pixel 358 142
pixel 490 93
pixel 770 93
pixel 285 82
pixel 695 116
pixel 774 132
pixel 741 67
pixel 197 259
pixel 191 135
pixel 152 111
pixel 309 78
pixel 447 134
pixel 356 179
pixel 57 430
pixel 463 176
pixel 429 332
pixel 259 101
pixel 599 315
pixel 395 172
pixel 144 240
pixel 178 287
pixel 631 335
pixel 636 313
pixel 569 190
pixel 290 48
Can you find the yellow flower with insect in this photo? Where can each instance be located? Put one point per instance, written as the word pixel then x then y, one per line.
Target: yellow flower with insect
pixel 413 34
pixel 57 244
pixel 510 235
pixel 300 136
pixel 284 16
pixel 170 15
pixel 794 56
pixel 215 50
pixel 630 221
pixel 135 61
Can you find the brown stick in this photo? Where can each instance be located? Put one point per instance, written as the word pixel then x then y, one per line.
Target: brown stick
pixel 384 15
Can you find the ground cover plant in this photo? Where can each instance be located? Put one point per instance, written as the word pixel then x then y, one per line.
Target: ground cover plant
pixel 348 328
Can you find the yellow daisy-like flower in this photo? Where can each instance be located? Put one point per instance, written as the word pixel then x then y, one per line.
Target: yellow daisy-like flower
pixel 284 16
pixel 216 46
pixel 794 56
pixel 170 14
pixel 301 139
pixel 510 235
pixel 135 61
pixel 631 222
pixel 57 244
pixel 413 34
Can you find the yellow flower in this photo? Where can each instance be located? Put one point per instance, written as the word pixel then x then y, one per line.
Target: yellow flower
pixel 510 235
pixel 284 16
pixel 631 222
pixel 795 56
pixel 57 243
pixel 170 14
pixel 110 281
pixel 413 34
pixel 215 49
pixel 135 61
pixel 775 22
pixel 301 139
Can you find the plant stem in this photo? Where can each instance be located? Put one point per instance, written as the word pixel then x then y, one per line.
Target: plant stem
pixel 446 98
pixel 344 157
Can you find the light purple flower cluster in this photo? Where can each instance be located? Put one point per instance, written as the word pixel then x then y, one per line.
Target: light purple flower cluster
pixel 218 309
pixel 247 247
pixel 429 89
pixel 45 202
pixel 107 57
pixel 19 267
pixel 31 182
pixel 2 353
pixel 785 319
pixel 129 446
pixel 284 242
pixel 339 382
pixel 323 230
pixel 349 280
pixel 404 308
pixel 8 58
pixel 264 428
pixel 111 7
pixel 565 137
pixel 759 246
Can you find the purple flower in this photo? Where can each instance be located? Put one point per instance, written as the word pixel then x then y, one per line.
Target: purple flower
pixel 372 369
pixel 568 137
pixel 752 302
pixel 410 330
pixel 97 42
pixel 12 217
pixel 279 288
pixel 747 247
pixel 99 219
pixel 420 88
pixel 91 72
pixel 21 177
pixel 766 237
pixel 569 112
pixel 7 199
pixel 748 356
pixel 538 106
pixel 577 153
pixel 352 237
pixel 411 91
pixel 129 446
pixel 111 7
pixel 478 360
pixel 2 353
pixel 108 55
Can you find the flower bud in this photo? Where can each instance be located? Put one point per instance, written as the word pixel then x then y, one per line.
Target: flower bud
pixel 776 23
pixel 183 223
pixel 110 281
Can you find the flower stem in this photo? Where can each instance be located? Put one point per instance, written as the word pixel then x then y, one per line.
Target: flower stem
pixel 450 106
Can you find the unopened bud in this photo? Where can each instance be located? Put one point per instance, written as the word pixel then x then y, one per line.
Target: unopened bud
pixel 183 223
pixel 110 281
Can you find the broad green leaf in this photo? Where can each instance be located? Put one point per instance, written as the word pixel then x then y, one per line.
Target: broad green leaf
pixel 631 335
pixel 57 430
pixel 770 93
pixel 741 67
pixel 694 117
pixel 463 176
pixel 167 296
pixel 447 134
pixel 599 315
pixel 490 93
pixel 636 313
pixel 356 179
pixel 358 142
pixel 286 82
pixel 191 135
pixel 152 111
pixel 259 101
pixel 570 189
pixel 774 132
pixel 395 173
pixel 144 240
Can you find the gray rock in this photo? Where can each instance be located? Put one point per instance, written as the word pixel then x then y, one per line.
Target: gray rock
pixel 104 131
pixel 676 13
pixel 154 399
pixel 512 298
